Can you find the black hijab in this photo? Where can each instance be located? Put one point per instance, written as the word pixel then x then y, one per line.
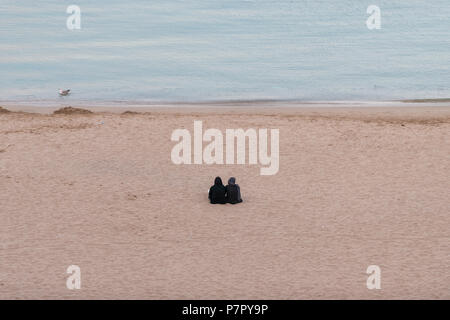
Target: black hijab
pixel 218 181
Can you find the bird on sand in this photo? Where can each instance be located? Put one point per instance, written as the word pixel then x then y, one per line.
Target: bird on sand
pixel 64 92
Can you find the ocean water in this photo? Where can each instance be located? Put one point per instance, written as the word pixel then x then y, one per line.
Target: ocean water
pixel 163 50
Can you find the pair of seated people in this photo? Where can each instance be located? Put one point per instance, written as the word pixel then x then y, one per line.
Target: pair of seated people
pixel 218 193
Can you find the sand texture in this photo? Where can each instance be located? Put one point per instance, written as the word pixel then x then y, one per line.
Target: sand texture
pixel 356 187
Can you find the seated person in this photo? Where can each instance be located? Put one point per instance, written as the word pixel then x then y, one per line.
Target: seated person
pixel 217 192
pixel 233 192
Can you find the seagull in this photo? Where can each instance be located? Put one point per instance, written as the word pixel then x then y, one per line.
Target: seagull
pixel 64 92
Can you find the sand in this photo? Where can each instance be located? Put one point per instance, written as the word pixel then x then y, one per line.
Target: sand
pixel 356 187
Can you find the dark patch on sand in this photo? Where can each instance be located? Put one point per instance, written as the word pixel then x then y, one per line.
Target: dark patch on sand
pixel 130 112
pixel 3 110
pixel 72 110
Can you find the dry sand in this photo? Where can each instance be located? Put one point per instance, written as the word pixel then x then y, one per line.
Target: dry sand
pixel 356 187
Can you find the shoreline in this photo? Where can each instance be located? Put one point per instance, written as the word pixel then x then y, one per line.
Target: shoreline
pixel 394 114
pixel 241 108
pixel 48 106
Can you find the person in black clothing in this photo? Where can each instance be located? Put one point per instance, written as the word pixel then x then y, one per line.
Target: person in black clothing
pixel 217 192
pixel 233 191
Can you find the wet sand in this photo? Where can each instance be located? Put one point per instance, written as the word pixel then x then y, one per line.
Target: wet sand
pixel 356 187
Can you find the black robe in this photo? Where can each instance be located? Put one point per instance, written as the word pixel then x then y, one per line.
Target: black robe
pixel 217 192
pixel 233 192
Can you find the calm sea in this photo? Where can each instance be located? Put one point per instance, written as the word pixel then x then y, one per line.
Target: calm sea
pixel 163 50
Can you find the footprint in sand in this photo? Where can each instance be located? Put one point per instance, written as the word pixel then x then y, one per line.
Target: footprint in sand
pixel 131 196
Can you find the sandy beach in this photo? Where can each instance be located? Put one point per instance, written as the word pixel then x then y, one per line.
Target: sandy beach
pixel 355 187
